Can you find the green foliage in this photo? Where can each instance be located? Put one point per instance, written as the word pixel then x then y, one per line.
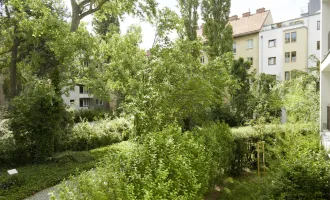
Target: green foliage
pixel 189 13
pixel 301 98
pixel 34 178
pixel 216 28
pixel 89 115
pixel 303 171
pixel 7 143
pixel 37 119
pixel 86 136
pixel 167 165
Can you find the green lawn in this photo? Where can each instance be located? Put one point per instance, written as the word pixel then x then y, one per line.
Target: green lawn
pixel 34 178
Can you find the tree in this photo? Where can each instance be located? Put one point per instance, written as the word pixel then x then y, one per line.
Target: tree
pixel 216 28
pixel 81 9
pixel 189 13
pixel 105 23
pixel 240 93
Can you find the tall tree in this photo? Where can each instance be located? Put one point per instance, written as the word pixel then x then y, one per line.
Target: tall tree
pixel 218 32
pixel 189 13
pixel 83 8
pixel 105 23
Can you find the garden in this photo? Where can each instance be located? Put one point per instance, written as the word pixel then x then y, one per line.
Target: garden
pixel 180 129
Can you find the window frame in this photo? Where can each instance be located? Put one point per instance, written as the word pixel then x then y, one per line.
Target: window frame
pixel 249 59
pixel 293 57
pixel 269 41
pixel 285 75
pixel 287 40
pixel 234 48
pixel 247 44
pixel 202 60
pixel 269 59
pixel 86 102
pixel 292 37
pixel 285 58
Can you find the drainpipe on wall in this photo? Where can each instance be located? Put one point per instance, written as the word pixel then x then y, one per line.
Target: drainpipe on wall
pixel 262 55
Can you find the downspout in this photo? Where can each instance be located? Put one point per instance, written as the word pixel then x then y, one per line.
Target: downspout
pixel 261 54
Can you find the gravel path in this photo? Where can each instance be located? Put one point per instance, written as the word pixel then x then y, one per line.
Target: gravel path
pixel 42 195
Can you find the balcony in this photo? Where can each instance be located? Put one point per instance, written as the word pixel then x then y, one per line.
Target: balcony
pixel 283 24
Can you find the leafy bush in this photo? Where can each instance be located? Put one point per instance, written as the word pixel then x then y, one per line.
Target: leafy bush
pixel 86 135
pixel 167 165
pixel 89 115
pixel 7 143
pixel 273 134
pixel 37 118
pixel 302 171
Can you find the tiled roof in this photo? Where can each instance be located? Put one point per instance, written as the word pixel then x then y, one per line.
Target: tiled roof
pixel 249 25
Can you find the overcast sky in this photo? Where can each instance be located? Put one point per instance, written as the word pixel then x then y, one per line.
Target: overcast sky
pixel 281 10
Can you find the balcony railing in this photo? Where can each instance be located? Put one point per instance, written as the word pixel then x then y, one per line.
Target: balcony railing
pixel 282 25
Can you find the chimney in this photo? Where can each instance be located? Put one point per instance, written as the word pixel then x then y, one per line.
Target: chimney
pixel 261 10
pixel 247 14
pixel 232 18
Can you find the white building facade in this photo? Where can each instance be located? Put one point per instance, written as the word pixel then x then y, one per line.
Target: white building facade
pixel 80 98
pixel 276 52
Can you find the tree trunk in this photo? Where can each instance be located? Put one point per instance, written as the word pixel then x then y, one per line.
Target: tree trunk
pixel 75 16
pixel 13 66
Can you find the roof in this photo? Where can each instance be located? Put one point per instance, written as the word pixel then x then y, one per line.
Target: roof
pixel 250 24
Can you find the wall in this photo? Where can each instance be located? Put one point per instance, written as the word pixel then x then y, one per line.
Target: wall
pixel 325 27
pixel 265 52
pixel 242 51
pixel 300 46
pixel 314 35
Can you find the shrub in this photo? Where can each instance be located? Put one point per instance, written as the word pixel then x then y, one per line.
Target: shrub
pixel 89 115
pixel 302 171
pixel 37 118
pixel 167 165
pixel 7 143
pixel 86 135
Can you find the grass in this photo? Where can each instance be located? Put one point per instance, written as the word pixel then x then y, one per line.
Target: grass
pixel 34 178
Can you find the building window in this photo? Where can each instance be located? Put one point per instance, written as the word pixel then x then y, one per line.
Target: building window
pixel 83 90
pixel 318 25
pixel 293 37
pixel 250 60
pixel 272 61
pixel 287 38
pixel 234 47
pixel 202 59
pixel 293 56
pixel 249 44
pixel 84 102
pixel 271 43
pixel 287 76
pixel 287 57
pixel 99 102
pixel 71 101
pixel 318 45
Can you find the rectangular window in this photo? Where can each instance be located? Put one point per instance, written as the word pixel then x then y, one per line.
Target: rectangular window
pixel 318 45
pixel 234 47
pixel 287 57
pixel 99 102
pixel 71 101
pixel 85 102
pixel 83 90
pixel 271 43
pixel 293 56
pixel 250 59
pixel 293 37
pixel 202 60
pixel 318 25
pixel 287 38
pixel 249 44
pixel 272 61
pixel 287 75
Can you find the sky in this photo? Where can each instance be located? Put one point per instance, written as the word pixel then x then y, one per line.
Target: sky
pixel 281 10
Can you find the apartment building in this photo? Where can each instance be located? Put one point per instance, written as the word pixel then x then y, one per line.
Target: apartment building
pixel 325 74
pixel 81 98
pixel 246 35
pixel 287 46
